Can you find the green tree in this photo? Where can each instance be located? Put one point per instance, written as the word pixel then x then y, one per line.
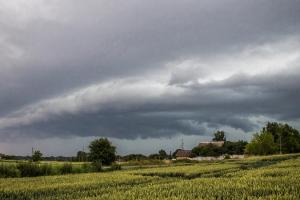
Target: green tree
pixel 136 157
pixel 261 144
pixel 101 150
pixel 37 156
pixel 154 156
pixel 162 154
pixel 219 136
pixel 234 147
pixel 209 150
pixel 286 137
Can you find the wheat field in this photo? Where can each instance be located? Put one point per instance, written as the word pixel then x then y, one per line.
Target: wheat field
pixel 268 177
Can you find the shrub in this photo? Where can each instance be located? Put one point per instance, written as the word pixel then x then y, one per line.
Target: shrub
pixel 97 166
pixel 66 168
pixel 8 171
pixel 29 169
pixel 86 167
pixel 46 169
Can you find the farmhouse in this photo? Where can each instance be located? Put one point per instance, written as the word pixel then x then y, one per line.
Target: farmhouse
pixel 183 154
pixel 213 143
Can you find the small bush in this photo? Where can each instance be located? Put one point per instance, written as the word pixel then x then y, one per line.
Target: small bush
pixel 29 169
pixel 185 161
pixel 66 168
pixel 86 167
pixel 227 156
pixel 97 166
pixel 46 169
pixel 7 171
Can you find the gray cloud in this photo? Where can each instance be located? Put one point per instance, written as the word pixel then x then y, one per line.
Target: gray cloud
pixel 231 102
pixel 140 69
pixel 61 47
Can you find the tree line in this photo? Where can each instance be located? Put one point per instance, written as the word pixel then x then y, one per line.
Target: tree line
pixel 273 138
pixel 228 147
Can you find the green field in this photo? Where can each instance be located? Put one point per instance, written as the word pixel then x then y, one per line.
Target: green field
pixel 269 177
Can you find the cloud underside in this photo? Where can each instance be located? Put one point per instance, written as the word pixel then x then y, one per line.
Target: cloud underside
pixel 137 108
pixel 146 70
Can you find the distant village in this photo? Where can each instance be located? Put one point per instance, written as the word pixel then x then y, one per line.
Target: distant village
pixel 182 154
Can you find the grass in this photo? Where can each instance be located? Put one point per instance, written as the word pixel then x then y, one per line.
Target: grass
pixel 278 179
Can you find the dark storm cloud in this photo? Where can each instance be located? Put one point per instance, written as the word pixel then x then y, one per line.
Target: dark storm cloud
pixel 78 68
pixel 201 108
pixel 76 44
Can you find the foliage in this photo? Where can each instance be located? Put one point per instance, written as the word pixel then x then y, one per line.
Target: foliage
pixel 66 168
pixel 33 169
pixel 29 169
pixel 229 147
pixel 154 156
pixel 236 148
pixel 136 157
pixel 261 144
pixel 209 150
pixel 283 134
pixel 219 136
pixel 274 138
pixel 7 171
pixel 37 156
pixel 46 169
pixel 97 166
pixel 162 154
pixel 101 150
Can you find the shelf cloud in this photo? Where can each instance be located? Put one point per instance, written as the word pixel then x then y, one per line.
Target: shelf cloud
pixel 145 70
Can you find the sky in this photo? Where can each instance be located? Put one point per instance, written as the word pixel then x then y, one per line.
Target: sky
pixel 145 74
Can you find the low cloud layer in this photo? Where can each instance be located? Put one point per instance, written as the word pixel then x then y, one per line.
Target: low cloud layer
pixel 146 69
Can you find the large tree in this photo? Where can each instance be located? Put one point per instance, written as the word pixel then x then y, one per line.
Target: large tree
pixel 162 154
pixel 101 150
pixel 219 136
pixel 286 137
pixel 234 147
pixel 261 144
pixel 37 156
pixel 209 150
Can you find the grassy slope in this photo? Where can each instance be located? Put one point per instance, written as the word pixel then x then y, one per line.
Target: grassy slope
pixel 270 177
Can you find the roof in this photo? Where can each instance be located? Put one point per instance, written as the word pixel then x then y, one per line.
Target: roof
pixel 183 153
pixel 214 143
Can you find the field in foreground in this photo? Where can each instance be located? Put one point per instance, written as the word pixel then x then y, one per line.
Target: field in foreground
pixel 270 177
